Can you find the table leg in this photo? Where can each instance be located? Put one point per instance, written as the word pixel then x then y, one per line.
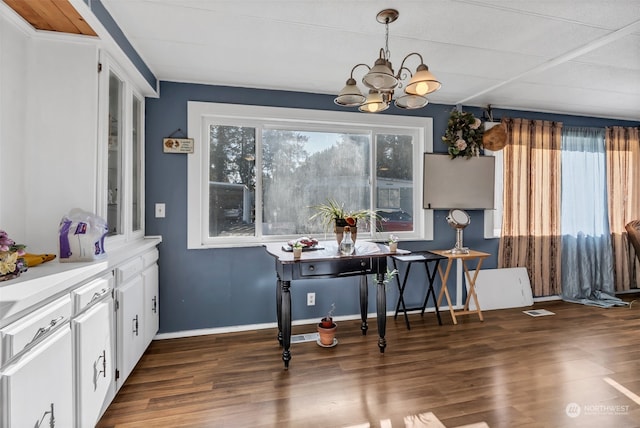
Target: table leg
pixel 431 276
pixel 444 291
pixel 286 322
pixel 472 288
pixel 401 292
pixel 381 303
pixel 364 303
pixel 279 309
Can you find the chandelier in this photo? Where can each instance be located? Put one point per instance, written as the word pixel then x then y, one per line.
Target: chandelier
pixel 381 80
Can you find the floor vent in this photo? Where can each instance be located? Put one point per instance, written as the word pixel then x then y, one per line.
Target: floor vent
pixel 309 337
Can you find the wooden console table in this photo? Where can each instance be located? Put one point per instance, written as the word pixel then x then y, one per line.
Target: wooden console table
pixel 471 280
pixel 368 258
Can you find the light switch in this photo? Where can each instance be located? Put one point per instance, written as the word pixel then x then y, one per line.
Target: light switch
pixel 160 212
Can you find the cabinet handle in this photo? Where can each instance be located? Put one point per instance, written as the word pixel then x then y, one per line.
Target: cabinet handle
pixel 99 294
pixel 154 306
pixel 44 330
pixel 96 371
pixel 52 419
pixel 135 325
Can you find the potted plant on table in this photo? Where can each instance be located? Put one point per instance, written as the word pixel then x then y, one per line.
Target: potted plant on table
pixel 393 243
pixel 327 329
pixel 297 249
pixel 333 214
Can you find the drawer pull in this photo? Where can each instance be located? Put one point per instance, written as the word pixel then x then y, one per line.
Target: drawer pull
pixel 363 263
pixel 44 330
pixel 99 294
pixel 135 325
pixel 312 268
pixel 97 371
pixel 52 419
pixel 154 304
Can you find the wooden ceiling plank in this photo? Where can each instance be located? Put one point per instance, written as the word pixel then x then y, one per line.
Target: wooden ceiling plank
pixel 26 11
pixel 72 14
pixel 50 12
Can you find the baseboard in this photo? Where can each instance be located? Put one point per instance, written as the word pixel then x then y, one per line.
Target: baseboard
pixel 250 327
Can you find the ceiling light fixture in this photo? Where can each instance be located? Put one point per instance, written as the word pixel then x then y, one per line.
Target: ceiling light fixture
pixel 382 80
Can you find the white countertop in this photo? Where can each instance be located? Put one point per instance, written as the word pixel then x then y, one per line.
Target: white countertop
pixel 44 282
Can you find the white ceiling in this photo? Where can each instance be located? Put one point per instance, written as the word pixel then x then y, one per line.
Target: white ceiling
pixel 568 56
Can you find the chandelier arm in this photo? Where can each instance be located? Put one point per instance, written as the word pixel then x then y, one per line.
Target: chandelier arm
pixel 358 65
pixel 407 57
pixel 401 76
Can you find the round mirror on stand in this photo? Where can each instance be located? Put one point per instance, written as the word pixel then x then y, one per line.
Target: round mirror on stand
pixel 458 219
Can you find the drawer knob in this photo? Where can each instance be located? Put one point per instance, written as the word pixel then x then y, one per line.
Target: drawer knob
pixel 312 268
pixel 363 263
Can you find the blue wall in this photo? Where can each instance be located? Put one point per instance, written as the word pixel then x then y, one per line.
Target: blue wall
pixel 230 287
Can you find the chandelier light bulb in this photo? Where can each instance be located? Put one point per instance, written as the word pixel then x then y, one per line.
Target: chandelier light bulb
pixel 422 88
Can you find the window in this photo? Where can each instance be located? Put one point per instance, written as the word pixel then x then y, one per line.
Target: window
pixel 257 172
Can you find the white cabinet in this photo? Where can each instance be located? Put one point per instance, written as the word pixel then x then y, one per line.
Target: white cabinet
pixel 131 344
pixel 137 313
pixel 150 278
pixel 94 350
pixel 36 388
pixel 62 351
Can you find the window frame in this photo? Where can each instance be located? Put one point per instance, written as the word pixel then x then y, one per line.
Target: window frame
pixel 493 218
pixel 200 114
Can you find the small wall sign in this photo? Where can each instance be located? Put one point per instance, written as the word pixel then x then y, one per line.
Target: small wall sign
pixel 177 145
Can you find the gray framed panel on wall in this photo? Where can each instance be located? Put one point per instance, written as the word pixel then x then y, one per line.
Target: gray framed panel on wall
pixel 466 183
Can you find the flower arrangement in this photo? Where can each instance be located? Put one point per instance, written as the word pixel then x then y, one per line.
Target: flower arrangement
pixel 393 239
pixel 12 263
pixel 463 135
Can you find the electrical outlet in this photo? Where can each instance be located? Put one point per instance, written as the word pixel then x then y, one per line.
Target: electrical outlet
pixel 311 299
pixel 160 210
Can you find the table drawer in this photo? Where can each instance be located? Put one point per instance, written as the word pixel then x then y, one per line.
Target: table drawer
pixel 344 267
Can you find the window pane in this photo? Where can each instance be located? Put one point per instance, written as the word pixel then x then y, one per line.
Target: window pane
pixel 136 148
pixel 114 175
pixel 394 178
pixel 305 168
pixel 232 181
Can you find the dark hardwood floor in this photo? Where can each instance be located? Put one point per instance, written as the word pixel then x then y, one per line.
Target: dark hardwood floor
pixel 512 370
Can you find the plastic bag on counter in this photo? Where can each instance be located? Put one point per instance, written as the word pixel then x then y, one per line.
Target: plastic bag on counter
pixel 81 236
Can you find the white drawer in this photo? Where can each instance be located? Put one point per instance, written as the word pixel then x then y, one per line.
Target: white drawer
pixel 90 292
pixel 149 258
pixel 128 270
pixel 27 330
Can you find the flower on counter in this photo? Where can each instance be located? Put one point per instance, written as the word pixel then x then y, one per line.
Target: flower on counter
pixel 393 238
pixel 463 135
pixel 11 260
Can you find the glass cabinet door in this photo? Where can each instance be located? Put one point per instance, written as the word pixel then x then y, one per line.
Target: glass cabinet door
pixel 114 176
pixel 136 165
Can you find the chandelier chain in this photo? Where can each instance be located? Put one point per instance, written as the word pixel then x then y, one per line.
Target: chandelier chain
pixel 386 40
